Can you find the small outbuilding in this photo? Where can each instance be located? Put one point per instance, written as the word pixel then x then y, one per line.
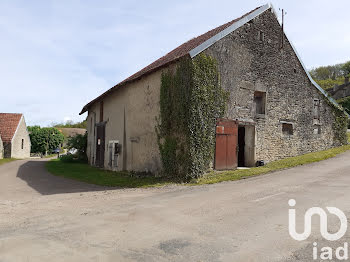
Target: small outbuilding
pixel 15 141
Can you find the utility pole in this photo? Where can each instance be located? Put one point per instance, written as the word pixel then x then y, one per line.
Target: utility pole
pixel 282 33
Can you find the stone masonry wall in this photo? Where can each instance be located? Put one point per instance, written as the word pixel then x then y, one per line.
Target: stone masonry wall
pixel 21 134
pixel 251 59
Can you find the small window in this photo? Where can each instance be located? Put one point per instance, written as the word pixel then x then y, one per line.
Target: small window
pixel 317 129
pixel 295 70
pixel 316 109
pixel 260 101
pixel 261 36
pixel 287 129
pixel 22 146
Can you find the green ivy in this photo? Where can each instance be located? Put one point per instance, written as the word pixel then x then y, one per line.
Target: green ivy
pixel 191 100
pixel 340 126
pixel 345 103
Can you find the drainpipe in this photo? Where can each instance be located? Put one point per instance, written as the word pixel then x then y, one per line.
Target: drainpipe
pixel 93 146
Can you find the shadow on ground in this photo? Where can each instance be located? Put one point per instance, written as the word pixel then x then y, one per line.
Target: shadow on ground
pixel 37 177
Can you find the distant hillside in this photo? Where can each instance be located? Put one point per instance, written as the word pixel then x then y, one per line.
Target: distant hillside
pixel 329 76
pixel 70 124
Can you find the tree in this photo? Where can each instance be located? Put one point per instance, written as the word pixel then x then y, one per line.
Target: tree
pixel 321 73
pixel 327 72
pixel 78 142
pixel 45 139
pixel 346 69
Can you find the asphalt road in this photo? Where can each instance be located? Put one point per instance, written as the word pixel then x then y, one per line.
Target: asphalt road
pixel 48 218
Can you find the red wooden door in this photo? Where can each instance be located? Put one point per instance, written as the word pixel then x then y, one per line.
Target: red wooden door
pixel 226 144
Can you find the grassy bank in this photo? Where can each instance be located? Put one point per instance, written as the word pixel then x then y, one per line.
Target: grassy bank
pixel 216 177
pixel 6 160
pixel 92 175
pixel 231 175
pixel 85 173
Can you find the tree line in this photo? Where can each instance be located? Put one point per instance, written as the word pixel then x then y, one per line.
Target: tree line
pixel 70 124
pixel 329 76
pixel 45 140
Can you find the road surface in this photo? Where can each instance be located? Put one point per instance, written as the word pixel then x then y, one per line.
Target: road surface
pixel 48 218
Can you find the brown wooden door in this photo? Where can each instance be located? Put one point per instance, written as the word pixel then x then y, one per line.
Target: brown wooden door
pixel 100 145
pixel 226 144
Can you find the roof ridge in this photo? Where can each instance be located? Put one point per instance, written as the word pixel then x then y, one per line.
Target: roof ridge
pixel 209 32
pixel 172 56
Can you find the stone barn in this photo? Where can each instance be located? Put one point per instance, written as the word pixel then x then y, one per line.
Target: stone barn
pixel 14 135
pixel 273 108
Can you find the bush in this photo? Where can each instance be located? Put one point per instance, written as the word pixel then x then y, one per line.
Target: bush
pixel 73 158
pixel 68 159
pixel 330 83
pixel 44 140
pixel 79 142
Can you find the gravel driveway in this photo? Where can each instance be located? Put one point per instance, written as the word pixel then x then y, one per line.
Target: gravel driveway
pixel 48 218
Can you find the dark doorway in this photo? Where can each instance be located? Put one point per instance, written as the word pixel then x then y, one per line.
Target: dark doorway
pixel 241 146
pixel 100 144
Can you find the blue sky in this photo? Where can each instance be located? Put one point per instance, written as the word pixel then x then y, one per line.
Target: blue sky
pixel 58 55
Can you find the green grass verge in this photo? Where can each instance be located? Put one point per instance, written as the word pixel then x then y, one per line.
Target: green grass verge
pixel 85 173
pixel 216 177
pixel 6 160
pixel 92 175
pixel 50 156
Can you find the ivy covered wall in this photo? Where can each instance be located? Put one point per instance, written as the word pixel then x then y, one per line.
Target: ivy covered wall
pixel 340 126
pixel 191 99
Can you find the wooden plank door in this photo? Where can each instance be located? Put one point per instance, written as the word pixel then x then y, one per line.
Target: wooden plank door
pixel 226 144
pixel 100 145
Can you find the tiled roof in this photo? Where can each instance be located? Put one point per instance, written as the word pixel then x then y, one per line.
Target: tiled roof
pixel 172 56
pixel 8 125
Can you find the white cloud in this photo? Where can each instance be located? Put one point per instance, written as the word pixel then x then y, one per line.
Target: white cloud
pixel 67 119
